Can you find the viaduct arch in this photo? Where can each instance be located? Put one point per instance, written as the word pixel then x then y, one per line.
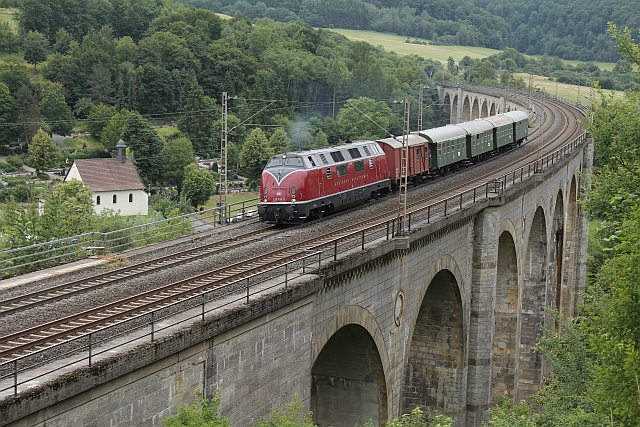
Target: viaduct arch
pixel 463 104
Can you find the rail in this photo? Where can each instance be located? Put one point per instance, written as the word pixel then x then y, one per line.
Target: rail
pixel 85 349
pixel 58 251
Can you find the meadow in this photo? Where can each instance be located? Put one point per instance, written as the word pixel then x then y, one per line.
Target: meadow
pixel 397 44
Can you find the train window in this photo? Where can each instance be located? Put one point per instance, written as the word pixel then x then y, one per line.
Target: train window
pixel 274 161
pixel 337 156
pixel 342 170
pixel 311 161
pixel 324 159
pixel 328 173
pixel 370 163
pixel 354 153
pixel 366 150
pixel 358 166
pixel 293 161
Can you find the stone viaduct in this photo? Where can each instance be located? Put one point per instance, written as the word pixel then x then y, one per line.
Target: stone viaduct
pixel 448 324
pixel 461 105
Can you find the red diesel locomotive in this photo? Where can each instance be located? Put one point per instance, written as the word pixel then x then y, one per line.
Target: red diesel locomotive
pixel 311 183
pixel 308 184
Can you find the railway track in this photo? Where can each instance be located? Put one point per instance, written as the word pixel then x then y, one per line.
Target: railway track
pixel 77 287
pixel 22 343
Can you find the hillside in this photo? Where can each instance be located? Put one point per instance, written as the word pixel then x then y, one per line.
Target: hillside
pixel 569 29
pixel 565 28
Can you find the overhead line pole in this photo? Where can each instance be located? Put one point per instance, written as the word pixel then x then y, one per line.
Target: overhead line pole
pixel 402 193
pixel 223 160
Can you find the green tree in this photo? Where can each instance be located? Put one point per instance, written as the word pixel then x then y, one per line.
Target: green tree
pixel 99 117
pixel 613 307
pixel 17 226
pixel 7 115
pixel 364 118
pixel 176 155
pixel 99 85
pixel 255 153
pixel 196 121
pixel 56 113
pixel 9 40
pixel 43 152
pixel 505 414
pixel 203 413
pixel 114 130
pixel 126 49
pixel 566 397
pixel 63 41
pixel 291 416
pixel 198 184
pixel 35 48
pixel 146 144
pixel 279 142
pixel 627 47
pixel 68 211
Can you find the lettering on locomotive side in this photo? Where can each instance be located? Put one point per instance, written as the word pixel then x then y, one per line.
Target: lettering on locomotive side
pixel 346 181
pixel 279 199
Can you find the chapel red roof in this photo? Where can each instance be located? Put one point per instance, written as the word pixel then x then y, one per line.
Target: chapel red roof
pixel 109 174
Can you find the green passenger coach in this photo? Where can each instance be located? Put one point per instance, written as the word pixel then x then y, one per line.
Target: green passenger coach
pixel 447 146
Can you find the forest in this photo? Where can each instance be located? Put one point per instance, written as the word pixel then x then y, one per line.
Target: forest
pixel 569 29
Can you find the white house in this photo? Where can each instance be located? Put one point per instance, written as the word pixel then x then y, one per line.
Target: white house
pixel 114 183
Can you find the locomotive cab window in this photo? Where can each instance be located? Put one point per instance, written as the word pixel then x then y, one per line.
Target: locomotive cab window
pixel 366 150
pixel 358 166
pixel 342 170
pixel 294 161
pixel 324 159
pixel 275 161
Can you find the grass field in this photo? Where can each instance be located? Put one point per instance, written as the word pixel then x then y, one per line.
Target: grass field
pixel 6 15
pixel 395 43
pixel 573 93
pixel 392 42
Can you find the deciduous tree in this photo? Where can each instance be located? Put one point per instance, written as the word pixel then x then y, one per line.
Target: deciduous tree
pixel 198 184
pixel 146 145
pixel 43 152
pixel 56 113
pixel 99 118
pixel 255 153
pixel 114 130
pixel 35 48
pixel 176 155
pixel 364 118
pixel 68 211
pixel 279 142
